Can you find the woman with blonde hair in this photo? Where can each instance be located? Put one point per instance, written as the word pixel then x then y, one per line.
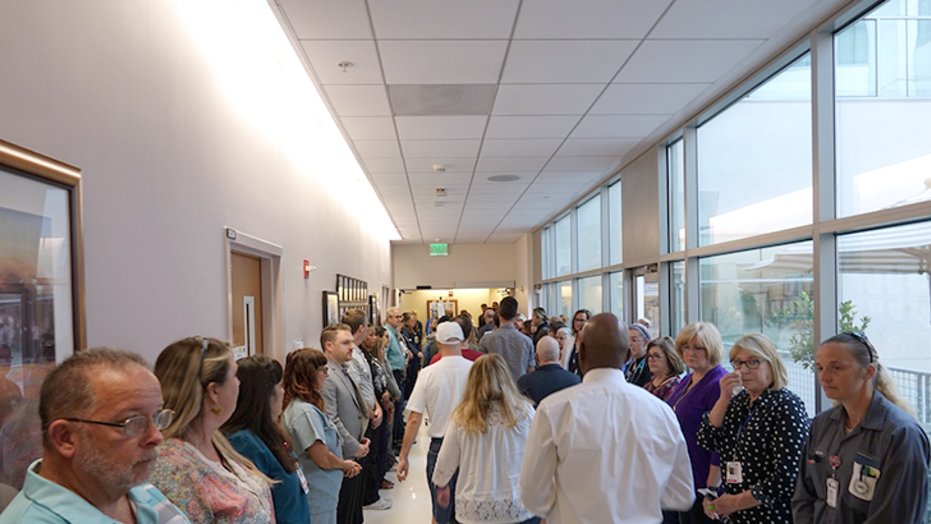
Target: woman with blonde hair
pixel 320 448
pixel 700 346
pixel 758 428
pixel 867 457
pixel 197 468
pixel 485 443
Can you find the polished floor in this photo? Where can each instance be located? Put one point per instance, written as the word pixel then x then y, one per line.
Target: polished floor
pixel 411 498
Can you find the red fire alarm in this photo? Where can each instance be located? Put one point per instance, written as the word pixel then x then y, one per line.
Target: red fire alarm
pixel 306 268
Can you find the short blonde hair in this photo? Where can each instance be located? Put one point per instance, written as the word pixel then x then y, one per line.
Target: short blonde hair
pixel 707 335
pixel 762 347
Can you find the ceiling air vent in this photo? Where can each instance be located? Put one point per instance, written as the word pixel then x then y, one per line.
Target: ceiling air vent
pixel 441 99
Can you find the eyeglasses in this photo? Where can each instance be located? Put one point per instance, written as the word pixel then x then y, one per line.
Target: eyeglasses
pixel 134 426
pixel 654 356
pixel 687 347
pixel 751 363
pixel 861 338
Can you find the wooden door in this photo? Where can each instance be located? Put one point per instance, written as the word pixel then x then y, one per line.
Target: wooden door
pixel 247 303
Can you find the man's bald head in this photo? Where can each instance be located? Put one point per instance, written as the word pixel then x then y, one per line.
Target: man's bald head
pixel 547 350
pixel 603 343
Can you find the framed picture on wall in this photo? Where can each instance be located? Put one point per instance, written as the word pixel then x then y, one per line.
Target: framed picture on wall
pixel 331 313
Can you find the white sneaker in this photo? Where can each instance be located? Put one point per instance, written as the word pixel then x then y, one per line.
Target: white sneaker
pixel 380 504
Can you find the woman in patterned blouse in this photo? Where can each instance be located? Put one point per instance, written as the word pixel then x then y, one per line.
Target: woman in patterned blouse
pixel 485 443
pixel 759 429
pixel 197 468
pixel 665 367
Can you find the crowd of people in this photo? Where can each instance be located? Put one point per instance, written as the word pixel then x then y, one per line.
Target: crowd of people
pixel 586 421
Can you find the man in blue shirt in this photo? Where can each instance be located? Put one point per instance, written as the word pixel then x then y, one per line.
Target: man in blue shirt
pixel 101 411
pixel 549 377
pixel 396 353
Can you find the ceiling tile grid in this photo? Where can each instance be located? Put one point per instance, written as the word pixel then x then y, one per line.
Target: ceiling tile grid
pixel 553 96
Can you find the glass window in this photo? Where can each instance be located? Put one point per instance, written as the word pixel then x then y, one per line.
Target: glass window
pixel 754 160
pixel 563 246
pixel 884 88
pixel 646 298
pixel 588 219
pixel 564 303
pixel 616 293
pixel 767 291
pixel 546 252
pixel 675 164
pixel 676 296
pixel 615 235
pixel 590 294
pixel 885 290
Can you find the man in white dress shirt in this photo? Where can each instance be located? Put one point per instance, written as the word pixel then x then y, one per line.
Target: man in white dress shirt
pixel 437 393
pixel 605 450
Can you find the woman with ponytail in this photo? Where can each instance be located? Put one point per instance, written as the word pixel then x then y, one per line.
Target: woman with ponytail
pixel 867 458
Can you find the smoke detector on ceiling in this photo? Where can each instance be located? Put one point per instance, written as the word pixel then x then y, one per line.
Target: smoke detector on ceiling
pixel 439 168
pixel 441 191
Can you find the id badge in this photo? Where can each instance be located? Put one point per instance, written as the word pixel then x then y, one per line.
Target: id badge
pixel 863 481
pixel 832 493
pixel 733 473
pixel 303 479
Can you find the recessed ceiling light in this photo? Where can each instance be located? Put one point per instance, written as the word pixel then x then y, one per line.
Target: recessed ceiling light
pixel 503 178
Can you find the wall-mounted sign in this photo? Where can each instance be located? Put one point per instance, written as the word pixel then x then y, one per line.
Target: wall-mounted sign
pixel 439 250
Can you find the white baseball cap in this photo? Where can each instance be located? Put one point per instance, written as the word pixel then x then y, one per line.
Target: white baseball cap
pixel 449 333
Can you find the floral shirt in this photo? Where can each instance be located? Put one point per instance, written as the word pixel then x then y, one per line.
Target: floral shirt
pixel 664 389
pixel 208 492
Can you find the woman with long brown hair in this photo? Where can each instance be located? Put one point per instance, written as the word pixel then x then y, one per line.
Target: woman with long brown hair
pixel 313 434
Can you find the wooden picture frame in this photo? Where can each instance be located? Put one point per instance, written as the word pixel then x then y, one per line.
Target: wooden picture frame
pixel 331 311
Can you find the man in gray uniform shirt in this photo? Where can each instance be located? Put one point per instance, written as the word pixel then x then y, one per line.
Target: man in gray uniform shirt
pixel 507 341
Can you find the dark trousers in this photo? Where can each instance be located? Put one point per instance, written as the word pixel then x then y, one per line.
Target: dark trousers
pixel 372 464
pixel 398 432
pixel 349 507
pixel 441 514
pixel 696 515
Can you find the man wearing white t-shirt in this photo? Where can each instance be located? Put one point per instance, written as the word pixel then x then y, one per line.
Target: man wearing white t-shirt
pixel 437 392
pixel 605 450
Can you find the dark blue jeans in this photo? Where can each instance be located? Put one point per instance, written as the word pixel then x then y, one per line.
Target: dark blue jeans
pixel 447 514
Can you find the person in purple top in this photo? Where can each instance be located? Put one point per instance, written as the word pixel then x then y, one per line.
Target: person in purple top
pixel 700 346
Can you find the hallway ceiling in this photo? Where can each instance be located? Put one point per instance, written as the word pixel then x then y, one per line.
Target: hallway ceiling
pixel 556 93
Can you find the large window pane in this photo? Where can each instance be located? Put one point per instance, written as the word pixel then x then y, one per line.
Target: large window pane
pixel 883 82
pixel 754 161
pixel 563 246
pixel 589 234
pixel 675 164
pixel 564 303
pixel 590 294
pixel 615 236
pixel 547 255
pixel 765 291
pixel 646 298
pixel 616 293
pixel 885 290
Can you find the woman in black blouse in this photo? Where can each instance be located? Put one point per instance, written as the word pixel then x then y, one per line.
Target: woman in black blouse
pixel 759 429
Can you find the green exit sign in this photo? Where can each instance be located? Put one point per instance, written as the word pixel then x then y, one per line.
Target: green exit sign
pixel 439 250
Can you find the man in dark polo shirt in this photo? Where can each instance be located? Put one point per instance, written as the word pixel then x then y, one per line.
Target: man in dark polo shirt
pixel 549 376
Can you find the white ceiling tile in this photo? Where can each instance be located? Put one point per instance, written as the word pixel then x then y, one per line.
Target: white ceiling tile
pixel 442 62
pixel 456 180
pixel 745 18
pixel 358 100
pixel 565 61
pixel 588 18
pixel 443 20
pixel 510 164
pixel 377 148
pixel 582 163
pixel 439 149
pixel 530 126
pixel 517 147
pixel 390 180
pixel 685 60
pixel 454 166
pixel 440 127
pixel 369 127
pixel 325 54
pixel 571 178
pixel 618 126
pixel 328 19
pixel 384 165
pixel 646 99
pixel 598 146
pixel 545 99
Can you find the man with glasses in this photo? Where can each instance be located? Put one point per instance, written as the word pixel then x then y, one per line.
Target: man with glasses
pixel 101 413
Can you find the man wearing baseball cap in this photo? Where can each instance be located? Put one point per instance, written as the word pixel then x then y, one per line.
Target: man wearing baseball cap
pixel 437 392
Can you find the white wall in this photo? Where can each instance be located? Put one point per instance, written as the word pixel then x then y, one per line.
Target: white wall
pixel 171 152
pixel 639 197
pixel 467 266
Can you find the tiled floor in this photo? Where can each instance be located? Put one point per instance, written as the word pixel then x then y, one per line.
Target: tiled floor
pixel 411 498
